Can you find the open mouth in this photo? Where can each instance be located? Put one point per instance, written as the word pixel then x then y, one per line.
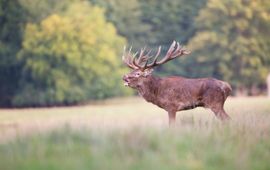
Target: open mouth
pixel 126 83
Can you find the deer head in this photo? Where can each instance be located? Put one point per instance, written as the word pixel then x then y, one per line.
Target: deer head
pixel 141 63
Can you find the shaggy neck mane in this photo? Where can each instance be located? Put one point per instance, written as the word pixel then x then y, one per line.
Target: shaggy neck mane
pixel 149 88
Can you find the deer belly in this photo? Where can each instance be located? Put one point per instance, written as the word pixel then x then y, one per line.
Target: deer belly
pixel 189 105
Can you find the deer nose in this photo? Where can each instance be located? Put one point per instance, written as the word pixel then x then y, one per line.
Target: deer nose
pixel 125 77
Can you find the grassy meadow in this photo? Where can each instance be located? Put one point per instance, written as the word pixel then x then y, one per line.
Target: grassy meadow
pixel 129 133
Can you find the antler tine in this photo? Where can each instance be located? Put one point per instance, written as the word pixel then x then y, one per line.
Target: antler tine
pixel 155 59
pixel 145 65
pixel 171 48
pixel 124 57
pixel 134 60
pixel 129 54
pixel 182 50
pixel 169 54
pixel 141 55
pixel 142 58
pixel 175 50
pixel 149 53
pixel 178 47
pixel 132 56
pixel 127 57
pixel 124 51
pixel 157 54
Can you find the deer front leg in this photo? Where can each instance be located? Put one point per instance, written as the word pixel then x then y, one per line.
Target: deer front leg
pixel 172 116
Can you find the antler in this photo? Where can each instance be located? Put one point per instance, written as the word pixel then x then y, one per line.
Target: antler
pixel 128 58
pixel 175 50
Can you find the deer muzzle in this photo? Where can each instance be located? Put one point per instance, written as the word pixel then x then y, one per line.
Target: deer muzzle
pixel 126 80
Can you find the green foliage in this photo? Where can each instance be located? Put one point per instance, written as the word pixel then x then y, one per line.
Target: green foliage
pixel 230 43
pixel 170 20
pixel 11 30
pixel 154 23
pixel 69 58
pixel 127 16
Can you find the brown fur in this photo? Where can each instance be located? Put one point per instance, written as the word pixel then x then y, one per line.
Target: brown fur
pixel 178 93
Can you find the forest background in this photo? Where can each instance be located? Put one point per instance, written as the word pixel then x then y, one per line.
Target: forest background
pixel 69 52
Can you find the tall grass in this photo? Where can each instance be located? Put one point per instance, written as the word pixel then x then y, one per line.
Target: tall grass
pixel 131 134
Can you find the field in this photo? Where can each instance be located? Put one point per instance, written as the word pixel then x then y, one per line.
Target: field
pixel 129 133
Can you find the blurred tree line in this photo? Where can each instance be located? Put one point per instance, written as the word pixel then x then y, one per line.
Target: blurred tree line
pixel 69 51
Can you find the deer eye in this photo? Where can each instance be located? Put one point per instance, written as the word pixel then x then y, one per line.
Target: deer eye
pixel 137 74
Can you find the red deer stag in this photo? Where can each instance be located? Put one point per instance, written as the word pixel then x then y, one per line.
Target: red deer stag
pixel 174 93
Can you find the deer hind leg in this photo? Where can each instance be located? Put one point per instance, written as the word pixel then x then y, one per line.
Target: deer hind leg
pixel 216 103
pixel 220 113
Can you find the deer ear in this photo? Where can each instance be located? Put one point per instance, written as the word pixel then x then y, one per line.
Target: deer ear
pixel 147 72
